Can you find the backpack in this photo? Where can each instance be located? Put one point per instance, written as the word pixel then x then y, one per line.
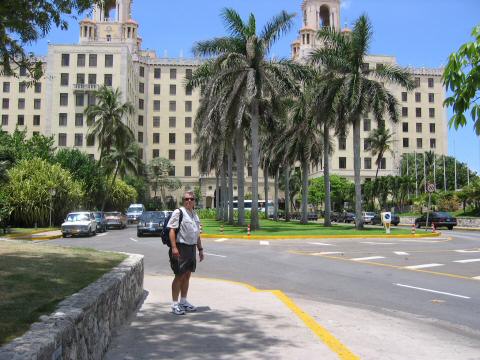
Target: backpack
pixel 166 230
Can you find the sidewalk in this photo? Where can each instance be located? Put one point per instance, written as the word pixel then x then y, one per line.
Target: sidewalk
pixel 236 321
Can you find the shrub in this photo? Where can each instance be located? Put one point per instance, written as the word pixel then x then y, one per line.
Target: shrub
pixel 122 196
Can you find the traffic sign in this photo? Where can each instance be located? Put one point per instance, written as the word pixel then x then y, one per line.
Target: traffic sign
pixel 431 188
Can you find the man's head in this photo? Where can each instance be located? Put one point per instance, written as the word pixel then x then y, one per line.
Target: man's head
pixel 189 200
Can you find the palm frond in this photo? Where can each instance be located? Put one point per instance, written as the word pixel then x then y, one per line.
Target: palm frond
pixel 279 25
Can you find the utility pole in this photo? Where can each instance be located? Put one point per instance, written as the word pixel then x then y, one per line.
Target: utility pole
pixel 444 175
pixel 424 173
pixel 416 175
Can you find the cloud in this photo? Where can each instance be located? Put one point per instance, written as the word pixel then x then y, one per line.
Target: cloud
pixel 345 4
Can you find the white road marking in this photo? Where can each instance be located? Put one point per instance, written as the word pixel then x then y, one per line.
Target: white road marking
pixel 210 254
pixel 264 242
pixel 476 278
pixel 422 266
pixel 400 253
pixel 466 261
pixel 134 239
pixel 221 240
pixel 102 234
pixel 467 251
pixel 467 237
pixel 368 258
pixel 327 253
pixel 375 243
pixel 320 244
pixel 432 291
pixel 425 241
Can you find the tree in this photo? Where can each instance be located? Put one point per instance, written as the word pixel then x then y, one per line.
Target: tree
pixel 462 77
pixel 341 191
pixel 363 90
pixel 158 171
pixel 380 141
pixel 23 22
pixel 15 146
pixel 121 195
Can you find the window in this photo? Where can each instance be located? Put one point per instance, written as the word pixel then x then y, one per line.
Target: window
pixel 91 99
pixel 108 79
pixel 141 104
pixel 404 96
pixel 141 88
pixel 92 79
pixel 171 172
pixel 62 139
pixel 6 87
pixel 430 82
pixel 62 119
pixel 156 138
pixel 21 104
pixel 171 138
pixel 5 103
pixel 90 141
pixel 172 122
pixel 108 60
pixel 172 105
pixel 188 106
pixel 140 120
pixel 406 143
pixel 433 143
pixel 342 143
pixel 156 105
pixel 249 171
pixel 80 78
pixel 109 38
pixel 417 82
pixel 381 124
pixel 20 120
pixel 173 74
pixel 188 122
pixel 418 112
pixel 431 97
pixel 156 121
pixel 157 73
pixel 21 87
pixel 367 124
pixel 405 127
pixel 37 104
pixel 92 60
pixel 188 155
pixel 188 171
pixel 78 140
pixel 79 99
pixel 4 120
pixel 35 133
pixel 78 119
pixel 188 138
pixel 404 111
pixel 140 137
pixel 431 112
pixel 65 59
pixel 156 89
pixel 432 128
pixel 140 154
pixel 418 97
pixel 419 143
pixel 64 79
pixel 171 154
pixel 142 71
pixel 63 99
pixel 342 162
pixel 81 60
pixel 173 89
pixel 367 163
pixel 188 90
pixel 155 153
pixel 419 127
pixel 366 144
pixel 365 67
pixel 23 71
pixel 38 88
pixel 383 164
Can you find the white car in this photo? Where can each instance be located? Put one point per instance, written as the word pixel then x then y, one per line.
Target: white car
pixel 79 223
pixel 367 217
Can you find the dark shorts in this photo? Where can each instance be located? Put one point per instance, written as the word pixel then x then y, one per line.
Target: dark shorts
pixel 187 261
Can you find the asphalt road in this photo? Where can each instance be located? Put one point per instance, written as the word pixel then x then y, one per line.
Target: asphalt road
pixel 436 279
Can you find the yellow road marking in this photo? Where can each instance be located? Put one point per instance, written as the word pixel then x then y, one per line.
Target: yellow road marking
pixel 293 237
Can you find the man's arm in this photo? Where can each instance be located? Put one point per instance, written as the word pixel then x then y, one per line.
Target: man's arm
pixel 173 242
pixel 200 248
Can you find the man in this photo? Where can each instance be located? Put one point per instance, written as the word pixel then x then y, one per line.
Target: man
pixel 182 252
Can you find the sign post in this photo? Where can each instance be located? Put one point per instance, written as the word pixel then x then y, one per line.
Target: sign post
pixel 430 189
pixel 387 220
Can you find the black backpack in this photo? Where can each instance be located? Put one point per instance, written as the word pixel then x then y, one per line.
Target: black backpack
pixel 166 230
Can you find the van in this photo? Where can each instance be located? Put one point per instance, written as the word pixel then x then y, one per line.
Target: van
pixel 261 206
pixel 134 212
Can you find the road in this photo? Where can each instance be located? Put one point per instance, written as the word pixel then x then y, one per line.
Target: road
pixel 436 279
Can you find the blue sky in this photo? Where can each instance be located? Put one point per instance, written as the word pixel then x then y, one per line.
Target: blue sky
pixel 418 32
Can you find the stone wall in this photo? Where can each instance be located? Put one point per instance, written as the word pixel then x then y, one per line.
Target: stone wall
pixel 461 221
pixel 81 327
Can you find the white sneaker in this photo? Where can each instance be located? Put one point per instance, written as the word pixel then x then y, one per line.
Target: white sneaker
pixel 177 309
pixel 186 306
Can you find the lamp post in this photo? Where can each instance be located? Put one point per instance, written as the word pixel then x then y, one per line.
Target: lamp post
pixel 52 194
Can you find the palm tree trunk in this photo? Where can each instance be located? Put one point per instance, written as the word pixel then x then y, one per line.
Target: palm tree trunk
pixel 326 176
pixel 230 186
pixel 287 193
pixel 304 193
pixel 240 176
pixel 254 223
pixel 265 187
pixel 356 169
pixel 111 188
pixel 217 195
pixel 224 191
pixel 275 206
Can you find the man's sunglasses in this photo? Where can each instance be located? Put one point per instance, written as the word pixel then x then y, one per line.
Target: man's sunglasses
pixel 189 199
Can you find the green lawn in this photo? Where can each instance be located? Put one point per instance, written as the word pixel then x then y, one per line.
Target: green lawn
pixel 20 232
pixel 35 278
pixel 273 228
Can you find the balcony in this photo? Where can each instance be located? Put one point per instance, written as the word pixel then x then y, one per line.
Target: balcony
pixel 85 87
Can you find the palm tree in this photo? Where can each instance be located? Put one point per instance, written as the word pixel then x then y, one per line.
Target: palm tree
pixel 107 121
pixel 380 141
pixel 362 89
pixel 158 171
pixel 241 61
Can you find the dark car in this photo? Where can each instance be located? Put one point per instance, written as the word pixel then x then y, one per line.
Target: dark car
pixel 101 221
pixel 377 219
pixel 335 216
pixel 347 217
pixel 150 222
pixel 439 219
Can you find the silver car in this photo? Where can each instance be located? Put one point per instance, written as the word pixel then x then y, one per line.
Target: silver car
pixel 79 223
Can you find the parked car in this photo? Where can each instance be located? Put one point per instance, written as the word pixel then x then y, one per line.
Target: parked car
pixel 150 222
pixel 347 217
pixel 101 221
pixel 79 223
pixel 367 216
pixel 377 220
pixel 116 219
pixel 439 219
pixel 335 216
pixel 134 212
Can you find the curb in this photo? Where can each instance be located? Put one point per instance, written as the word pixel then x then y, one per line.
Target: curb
pixel 39 238
pixel 292 237
pixel 455 228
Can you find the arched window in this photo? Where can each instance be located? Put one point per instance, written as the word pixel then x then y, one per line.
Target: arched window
pixel 324 16
pixel 305 18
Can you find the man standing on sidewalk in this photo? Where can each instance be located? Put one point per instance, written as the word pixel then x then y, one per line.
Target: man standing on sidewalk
pixel 182 253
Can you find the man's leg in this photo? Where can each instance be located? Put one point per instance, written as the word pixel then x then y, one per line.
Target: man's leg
pixel 176 287
pixel 185 283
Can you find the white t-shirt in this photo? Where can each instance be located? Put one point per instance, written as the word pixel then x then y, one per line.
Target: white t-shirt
pixel 189 228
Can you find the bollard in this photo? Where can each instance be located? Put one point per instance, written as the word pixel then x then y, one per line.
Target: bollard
pixel 413 229
pixel 221 228
pixel 248 231
pixel 201 228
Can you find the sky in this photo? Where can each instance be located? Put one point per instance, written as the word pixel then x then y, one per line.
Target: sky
pixel 420 33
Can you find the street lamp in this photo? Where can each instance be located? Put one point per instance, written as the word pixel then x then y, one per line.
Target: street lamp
pixel 52 194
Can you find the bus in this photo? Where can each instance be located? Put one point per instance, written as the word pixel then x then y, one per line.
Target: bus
pixel 261 206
